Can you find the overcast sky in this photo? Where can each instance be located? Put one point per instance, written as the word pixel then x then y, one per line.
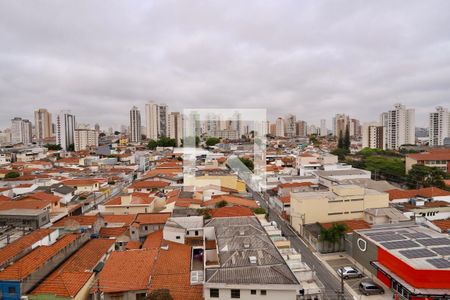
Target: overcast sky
pixel 310 58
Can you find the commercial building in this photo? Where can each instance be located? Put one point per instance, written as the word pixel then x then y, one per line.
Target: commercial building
pixel 373 136
pixel 410 260
pixel 439 126
pixel 135 125
pixel 43 124
pixel 400 126
pixel 341 202
pixel 65 129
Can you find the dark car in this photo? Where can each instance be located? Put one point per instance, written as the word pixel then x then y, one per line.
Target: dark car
pixel 370 288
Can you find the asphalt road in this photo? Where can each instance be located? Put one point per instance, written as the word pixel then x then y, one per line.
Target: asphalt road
pixel 330 281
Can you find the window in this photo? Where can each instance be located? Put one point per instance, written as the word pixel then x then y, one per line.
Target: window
pixel 196 232
pixel 214 293
pixel 263 292
pixel 177 237
pixel 146 227
pixel 11 290
pixel 253 292
pixel 236 294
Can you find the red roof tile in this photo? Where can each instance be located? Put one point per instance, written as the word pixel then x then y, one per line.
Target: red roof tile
pixel 153 240
pixel 127 271
pixel 114 219
pixel 107 232
pixel 8 252
pixel 73 274
pixel 231 211
pixel 444 225
pixel 295 184
pixel 231 200
pixel 149 184
pixel 82 220
pixel 434 154
pixel 45 196
pixel 152 218
pixel 24 204
pixel 429 192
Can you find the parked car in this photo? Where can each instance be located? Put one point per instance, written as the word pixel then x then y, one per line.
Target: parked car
pixel 370 288
pixel 349 272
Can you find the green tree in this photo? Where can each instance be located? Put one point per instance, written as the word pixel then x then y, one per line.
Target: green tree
pixel 259 211
pixel 162 142
pixel 212 141
pixel 12 174
pixel 116 132
pixel 152 144
pixel 423 176
pixel 346 142
pixel 333 235
pixel 221 203
pixel 248 163
pixel 340 144
pixel 54 147
pixel 160 294
pixel 71 148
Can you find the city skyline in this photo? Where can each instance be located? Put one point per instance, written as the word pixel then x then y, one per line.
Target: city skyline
pixel 315 64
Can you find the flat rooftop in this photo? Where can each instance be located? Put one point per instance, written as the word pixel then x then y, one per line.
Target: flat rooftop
pixel 418 246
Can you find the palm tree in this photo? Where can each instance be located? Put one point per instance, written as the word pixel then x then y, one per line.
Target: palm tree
pixel 332 235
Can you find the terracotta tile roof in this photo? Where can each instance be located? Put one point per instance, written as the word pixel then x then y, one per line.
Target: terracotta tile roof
pixel 73 274
pixel 36 258
pixel 80 182
pixel 157 171
pixel 351 225
pixel 10 251
pixel 114 219
pixel 149 184
pixel 169 165
pixel 427 204
pixel 127 271
pixel 231 211
pixel 444 225
pixel 447 182
pixel 153 240
pixel 424 192
pixel 45 196
pixel 152 218
pixel 69 160
pixel 133 245
pixel 107 232
pixel 24 204
pixel 286 199
pixel 233 200
pixel 294 184
pixel 4 198
pixel 82 220
pixel 172 272
pixel 435 154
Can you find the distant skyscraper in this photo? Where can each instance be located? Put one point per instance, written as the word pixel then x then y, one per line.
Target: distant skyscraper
pixel 97 127
pixel 280 127
pixel 21 131
pixel 65 129
pixel 135 125
pixel 355 128
pixel 151 120
pixel 43 124
pixel 301 128
pixel 323 127
pixel 373 135
pixel 290 126
pixel 439 126
pixel 400 126
pixel 341 121
pixel 176 127
pixel 163 118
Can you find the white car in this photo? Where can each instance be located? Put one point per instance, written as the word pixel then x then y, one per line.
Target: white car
pixel 258 203
pixel 349 272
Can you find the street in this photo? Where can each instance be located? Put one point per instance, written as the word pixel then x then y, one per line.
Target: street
pixel 331 282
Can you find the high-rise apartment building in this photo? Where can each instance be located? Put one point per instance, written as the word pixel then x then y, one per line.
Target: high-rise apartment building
pixel 355 128
pixel 176 127
pixel 163 118
pixel 280 127
pixel 323 127
pixel 135 125
pixel 43 124
pixel 21 131
pixel 151 120
pixel 85 137
pixel 301 129
pixel 290 126
pixel 340 123
pixel 439 126
pixel 400 126
pixel 373 135
pixel 65 129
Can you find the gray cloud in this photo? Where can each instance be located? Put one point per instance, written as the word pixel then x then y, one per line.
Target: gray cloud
pixel 311 58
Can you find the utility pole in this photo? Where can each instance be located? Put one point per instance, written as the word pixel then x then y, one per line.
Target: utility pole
pixel 342 285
